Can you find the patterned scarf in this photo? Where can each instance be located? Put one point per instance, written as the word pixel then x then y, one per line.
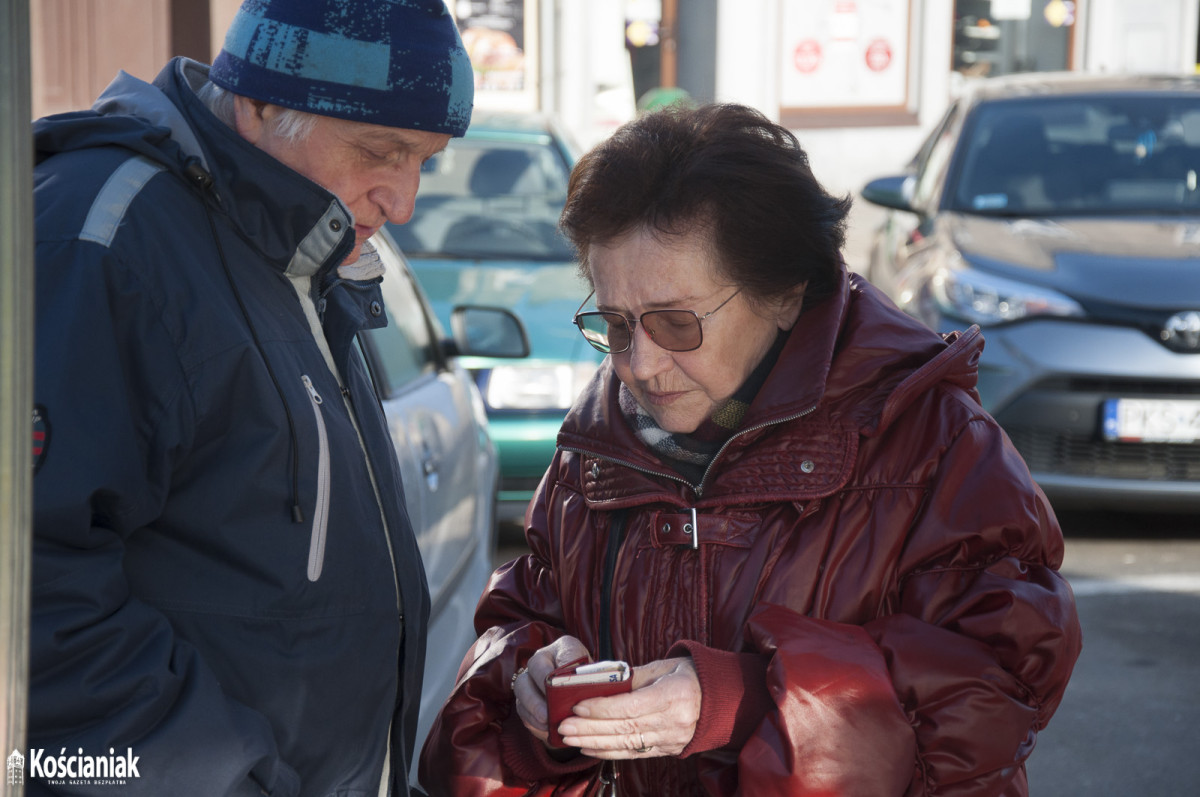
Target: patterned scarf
pixel 690 454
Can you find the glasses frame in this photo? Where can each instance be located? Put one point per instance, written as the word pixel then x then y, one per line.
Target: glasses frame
pixel 631 326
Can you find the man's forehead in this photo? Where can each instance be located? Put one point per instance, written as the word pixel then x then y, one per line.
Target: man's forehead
pixel 398 136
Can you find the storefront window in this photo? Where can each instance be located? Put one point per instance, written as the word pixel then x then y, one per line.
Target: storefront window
pixel 845 63
pixel 500 38
pixel 1000 37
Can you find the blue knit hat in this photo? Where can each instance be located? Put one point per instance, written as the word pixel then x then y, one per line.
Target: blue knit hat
pixel 397 63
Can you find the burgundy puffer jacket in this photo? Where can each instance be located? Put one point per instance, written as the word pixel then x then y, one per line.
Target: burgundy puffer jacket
pixel 871 549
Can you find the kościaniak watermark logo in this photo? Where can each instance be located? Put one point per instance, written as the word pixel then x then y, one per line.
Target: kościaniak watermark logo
pixel 16 768
pixel 75 769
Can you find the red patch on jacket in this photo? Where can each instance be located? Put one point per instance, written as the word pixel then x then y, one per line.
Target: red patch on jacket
pixel 41 436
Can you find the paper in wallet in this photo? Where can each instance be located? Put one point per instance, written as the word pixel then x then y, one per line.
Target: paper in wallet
pixel 577 681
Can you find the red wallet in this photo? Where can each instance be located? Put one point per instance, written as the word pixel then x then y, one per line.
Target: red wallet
pixel 578 680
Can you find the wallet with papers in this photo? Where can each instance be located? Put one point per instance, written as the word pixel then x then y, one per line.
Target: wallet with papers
pixel 578 680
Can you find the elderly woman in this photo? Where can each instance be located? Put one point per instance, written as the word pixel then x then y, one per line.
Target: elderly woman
pixel 779 501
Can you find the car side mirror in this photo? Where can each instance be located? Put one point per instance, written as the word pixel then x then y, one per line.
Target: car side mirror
pixel 486 332
pixel 891 192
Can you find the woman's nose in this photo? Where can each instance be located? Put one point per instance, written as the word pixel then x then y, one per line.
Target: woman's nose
pixel 646 358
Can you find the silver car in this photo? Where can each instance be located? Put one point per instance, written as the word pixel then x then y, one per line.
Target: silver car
pixel 447 460
pixel 1061 213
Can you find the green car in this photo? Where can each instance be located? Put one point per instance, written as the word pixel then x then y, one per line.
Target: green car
pixel 485 232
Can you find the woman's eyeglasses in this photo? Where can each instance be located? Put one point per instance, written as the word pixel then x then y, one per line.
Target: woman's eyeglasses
pixel 673 330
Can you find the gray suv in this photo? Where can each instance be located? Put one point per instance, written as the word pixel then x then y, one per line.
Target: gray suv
pixel 1061 213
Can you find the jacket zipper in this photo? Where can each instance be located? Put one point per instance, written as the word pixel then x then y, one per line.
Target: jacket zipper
pixel 616 535
pixel 697 488
pixel 747 430
pixel 320 524
pixel 608 770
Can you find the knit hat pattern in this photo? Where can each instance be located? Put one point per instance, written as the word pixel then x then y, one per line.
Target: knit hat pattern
pixel 396 63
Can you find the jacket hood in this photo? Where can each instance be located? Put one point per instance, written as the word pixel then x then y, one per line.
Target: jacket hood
pixel 853 358
pixel 130 114
pixel 295 222
pixel 878 357
pixel 81 130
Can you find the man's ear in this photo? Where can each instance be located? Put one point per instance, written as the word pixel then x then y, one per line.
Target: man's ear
pixel 789 311
pixel 249 118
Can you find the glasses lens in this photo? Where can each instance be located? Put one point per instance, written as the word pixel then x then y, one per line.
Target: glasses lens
pixel 673 330
pixel 607 332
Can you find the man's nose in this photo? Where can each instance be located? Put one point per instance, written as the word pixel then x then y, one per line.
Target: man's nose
pixel 396 196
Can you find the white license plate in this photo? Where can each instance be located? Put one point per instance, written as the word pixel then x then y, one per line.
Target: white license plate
pixel 1152 420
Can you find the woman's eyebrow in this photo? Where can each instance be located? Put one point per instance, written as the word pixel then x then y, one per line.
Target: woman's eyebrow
pixel 672 304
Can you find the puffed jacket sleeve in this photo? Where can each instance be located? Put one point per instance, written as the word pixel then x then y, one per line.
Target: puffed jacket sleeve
pixel 943 693
pixel 478 745
pixel 106 669
pixel 985 634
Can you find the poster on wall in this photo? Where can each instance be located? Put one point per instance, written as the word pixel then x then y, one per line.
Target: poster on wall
pixel 844 54
pixel 499 36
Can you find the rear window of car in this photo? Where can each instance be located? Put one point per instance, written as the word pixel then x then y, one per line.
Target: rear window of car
pixel 490 199
pixel 1093 155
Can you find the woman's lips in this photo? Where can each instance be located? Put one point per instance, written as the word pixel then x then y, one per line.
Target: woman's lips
pixel 661 399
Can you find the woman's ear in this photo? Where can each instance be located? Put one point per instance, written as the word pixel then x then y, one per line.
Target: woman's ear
pixel 789 308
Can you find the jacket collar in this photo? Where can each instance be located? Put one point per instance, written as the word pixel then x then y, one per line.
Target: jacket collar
pixel 293 222
pixel 851 364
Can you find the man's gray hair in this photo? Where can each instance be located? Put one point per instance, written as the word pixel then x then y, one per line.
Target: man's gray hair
pixel 293 125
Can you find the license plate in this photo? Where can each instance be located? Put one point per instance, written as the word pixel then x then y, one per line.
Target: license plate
pixel 1152 420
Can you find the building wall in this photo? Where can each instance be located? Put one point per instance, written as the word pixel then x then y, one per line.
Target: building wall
pixel 78 46
pixel 1146 36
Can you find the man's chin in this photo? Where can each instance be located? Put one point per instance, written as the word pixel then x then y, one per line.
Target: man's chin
pixel 355 253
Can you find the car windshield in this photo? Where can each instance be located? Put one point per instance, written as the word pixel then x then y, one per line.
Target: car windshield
pixel 1102 155
pixel 484 198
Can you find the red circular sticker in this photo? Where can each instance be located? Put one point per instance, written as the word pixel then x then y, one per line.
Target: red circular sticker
pixel 807 56
pixel 879 55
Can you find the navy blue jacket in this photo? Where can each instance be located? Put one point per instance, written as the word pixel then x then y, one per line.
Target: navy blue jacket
pixel 225 578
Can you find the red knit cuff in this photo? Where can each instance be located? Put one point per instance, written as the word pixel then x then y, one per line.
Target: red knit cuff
pixel 734 696
pixel 527 758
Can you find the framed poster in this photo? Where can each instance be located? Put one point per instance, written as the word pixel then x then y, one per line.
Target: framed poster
pixel 845 62
pixel 501 39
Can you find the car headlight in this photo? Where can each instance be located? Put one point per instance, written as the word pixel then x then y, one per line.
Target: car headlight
pixel 536 387
pixel 986 299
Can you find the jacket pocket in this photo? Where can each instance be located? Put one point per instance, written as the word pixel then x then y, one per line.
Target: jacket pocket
pixel 320 523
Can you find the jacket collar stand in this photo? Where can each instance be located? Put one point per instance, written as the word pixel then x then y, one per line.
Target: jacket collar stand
pixel 296 223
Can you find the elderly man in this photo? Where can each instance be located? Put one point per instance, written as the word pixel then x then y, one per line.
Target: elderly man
pixel 228 597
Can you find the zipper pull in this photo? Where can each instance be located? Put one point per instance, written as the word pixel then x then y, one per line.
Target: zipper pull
pixel 312 391
pixel 608 779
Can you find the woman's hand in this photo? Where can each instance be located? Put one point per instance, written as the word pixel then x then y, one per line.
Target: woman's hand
pixel 529 685
pixel 657 718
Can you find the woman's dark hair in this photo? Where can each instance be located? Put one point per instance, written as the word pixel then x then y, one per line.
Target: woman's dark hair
pixel 722 169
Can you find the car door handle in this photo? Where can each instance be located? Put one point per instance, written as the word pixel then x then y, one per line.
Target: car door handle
pixel 429 468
